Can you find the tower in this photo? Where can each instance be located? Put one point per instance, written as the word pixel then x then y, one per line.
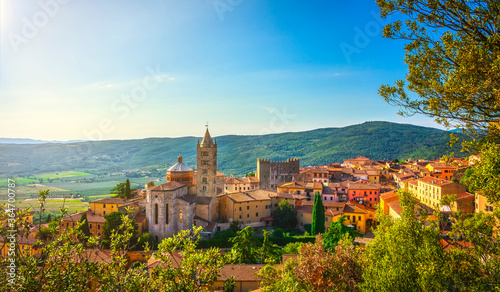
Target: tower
pixel 206 172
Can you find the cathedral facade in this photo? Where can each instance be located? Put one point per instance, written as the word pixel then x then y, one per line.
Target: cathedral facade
pixel 187 198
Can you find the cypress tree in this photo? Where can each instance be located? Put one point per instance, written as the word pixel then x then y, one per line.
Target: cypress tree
pixel 85 226
pixel 128 192
pixel 318 216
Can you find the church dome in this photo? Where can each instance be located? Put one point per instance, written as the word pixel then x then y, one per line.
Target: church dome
pixel 180 172
pixel 179 166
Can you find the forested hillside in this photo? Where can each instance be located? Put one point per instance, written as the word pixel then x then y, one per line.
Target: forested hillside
pixel 237 154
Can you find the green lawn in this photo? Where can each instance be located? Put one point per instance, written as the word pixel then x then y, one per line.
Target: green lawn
pixel 18 181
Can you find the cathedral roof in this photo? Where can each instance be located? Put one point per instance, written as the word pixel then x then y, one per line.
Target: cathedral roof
pixel 170 186
pixel 179 166
pixel 207 140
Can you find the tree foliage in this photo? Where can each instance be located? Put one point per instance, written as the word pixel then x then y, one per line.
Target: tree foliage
pixel 453 58
pixel 119 190
pixel 485 175
pixel 337 231
pixel 245 247
pixel 84 228
pixel 284 216
pixel 318 216
pixel 128 192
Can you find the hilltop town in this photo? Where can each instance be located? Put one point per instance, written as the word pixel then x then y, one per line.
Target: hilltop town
pixel 351 191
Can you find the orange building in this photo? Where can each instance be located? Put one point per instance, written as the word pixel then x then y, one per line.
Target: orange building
pixel 441 170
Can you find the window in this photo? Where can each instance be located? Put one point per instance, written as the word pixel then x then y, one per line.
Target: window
pixel 156 214
pixel 103 212
pixel 90 225
pixel 359 218
pixel 326 219
pixel 98 226
pixel 240 216
pixel 353 218
pixel 166 214
pixel 301 215
pixel 104 205
pixel 248 207
pixel 256 214
pixel 248 215
pixel 240 208
pixel 180 216
pixel 489 208
pixel 204 180
pixel 204 188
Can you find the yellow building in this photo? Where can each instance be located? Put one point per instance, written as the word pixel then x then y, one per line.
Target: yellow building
pixel 294 200
pixel 28 217
pixel 301 188
pixel 247 207
pixel 431 190
pixel 304 215
pixel 239 184
pixel 106 206
pixel 96 223
pixel 482 205
pixel 24 245
pixel 358 216
pixel 387 198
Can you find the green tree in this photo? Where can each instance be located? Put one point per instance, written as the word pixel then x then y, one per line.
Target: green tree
pixel 128 191
pixel 269 252
pixel 452 57
pixel 235 226
pixel 119 190
pixel 485 175
pixel 245 249
pixel 84 227
pixel 404 251
pixel 318 216
pixel 113 222
pixel 337 231
pixel 229 285
pixel 284 216
pixel 183 267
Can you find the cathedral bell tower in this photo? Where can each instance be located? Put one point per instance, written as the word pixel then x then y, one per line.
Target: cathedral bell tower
pixel 206 169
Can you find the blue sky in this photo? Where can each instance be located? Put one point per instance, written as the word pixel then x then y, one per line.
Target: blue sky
pixel 74 69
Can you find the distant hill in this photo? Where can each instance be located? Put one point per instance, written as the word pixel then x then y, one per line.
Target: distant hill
pixel 236 154
pixel 32 141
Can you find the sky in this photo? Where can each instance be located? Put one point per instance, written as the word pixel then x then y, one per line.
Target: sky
pixel 122 69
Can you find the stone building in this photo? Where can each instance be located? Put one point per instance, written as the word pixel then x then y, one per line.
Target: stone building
pixel 169 209
pixel 274 173
pixel 187 198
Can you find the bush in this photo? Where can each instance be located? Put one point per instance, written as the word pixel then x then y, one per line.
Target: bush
pixel 225 234
pixel 278 232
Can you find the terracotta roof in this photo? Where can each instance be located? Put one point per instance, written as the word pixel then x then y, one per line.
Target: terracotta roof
pixel 396 206
pixel 247 197
pixel 91 217
pixel 240 180
pixel 154 262
pixel 188 198
pixel 304 209
pixel 464 195
pixel 21 240
pixel 170 186
pixel 434 181
pixel 441 165
pixel 210 227
pixel 139 217
pixel 241 273
pixel 362 186
pixel 110 201
pixel 314 185
pixel 326 204
pixel 203 200
pixel 389 196
pixel 287 196
pixel 351 208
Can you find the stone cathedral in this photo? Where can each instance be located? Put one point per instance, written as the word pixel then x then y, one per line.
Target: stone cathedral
pixel 187 198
